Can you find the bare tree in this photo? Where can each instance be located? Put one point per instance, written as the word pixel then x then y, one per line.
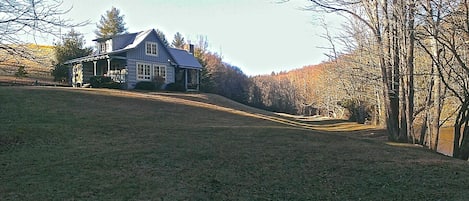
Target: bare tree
pixel 37 18
pixel 428 40
pixel 392 26
pixel 452 36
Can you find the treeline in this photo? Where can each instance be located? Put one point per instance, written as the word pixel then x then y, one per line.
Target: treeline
pixel 405 67
pixel 310 90
pixel 411 56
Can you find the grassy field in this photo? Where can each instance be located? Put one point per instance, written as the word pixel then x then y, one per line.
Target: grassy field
pixel 85 144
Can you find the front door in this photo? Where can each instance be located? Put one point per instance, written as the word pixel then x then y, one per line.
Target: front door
pixel 192 79
pixel 77 75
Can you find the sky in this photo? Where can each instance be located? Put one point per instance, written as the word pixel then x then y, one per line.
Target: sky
pixel 258 36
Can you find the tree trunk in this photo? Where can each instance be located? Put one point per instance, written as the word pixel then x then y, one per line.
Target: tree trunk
pixel 458 143
pixel 410 72
pixel 464 148
pixel 388 70
pixel 436 109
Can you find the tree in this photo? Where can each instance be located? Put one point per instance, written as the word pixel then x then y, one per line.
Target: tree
pixel 72 46
pixel 162 37
pixel 29 17
pixel 448 29
pixel 392 26
pixel 111 24
pixel 178 41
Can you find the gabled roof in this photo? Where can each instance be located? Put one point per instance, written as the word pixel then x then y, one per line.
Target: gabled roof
pixel 184 58
pixel 135 39
pixel 181 57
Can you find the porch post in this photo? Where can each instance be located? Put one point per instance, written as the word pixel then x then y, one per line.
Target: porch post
pixel 94 67
pixel 198 79
pixel 70 74
pixel 185 79
pixel 108 66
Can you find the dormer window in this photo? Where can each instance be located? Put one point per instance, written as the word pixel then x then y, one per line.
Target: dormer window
pixel 102 47
pixel 151 48
pixel 105 46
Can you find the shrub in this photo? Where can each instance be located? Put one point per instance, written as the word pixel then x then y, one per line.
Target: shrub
pixel 159 82
pixel 175 87
pixel 21 72
pixel 145 85
pixel 104 82
pixel 60 73
pixel 111 85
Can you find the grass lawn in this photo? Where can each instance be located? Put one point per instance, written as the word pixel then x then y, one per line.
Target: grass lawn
pixel 77 144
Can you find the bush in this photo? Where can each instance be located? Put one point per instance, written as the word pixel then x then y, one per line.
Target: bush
pixel 175 87
pixel 21 72
pixel 104 82
pixel 60 73
pixel 159 82
pixel 146 85
pixel 111 85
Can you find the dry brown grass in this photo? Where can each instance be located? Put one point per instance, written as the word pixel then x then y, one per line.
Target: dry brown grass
pixel 95 144
pixel 38 67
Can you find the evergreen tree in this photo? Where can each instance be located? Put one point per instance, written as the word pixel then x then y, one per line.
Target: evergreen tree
pixel 72 46
pixel 111 24
pixel 162 37
pixel 178 41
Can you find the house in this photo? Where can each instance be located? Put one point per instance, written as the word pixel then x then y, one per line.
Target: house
pixel 135 57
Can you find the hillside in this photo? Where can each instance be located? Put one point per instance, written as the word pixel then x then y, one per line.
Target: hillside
pixel 93 144
pixel 38 65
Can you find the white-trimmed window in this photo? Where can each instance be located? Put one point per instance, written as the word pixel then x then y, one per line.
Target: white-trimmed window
pixel 102 47
pixel 159 71
pixel 151 48
pixel 105 46
pixel 143 71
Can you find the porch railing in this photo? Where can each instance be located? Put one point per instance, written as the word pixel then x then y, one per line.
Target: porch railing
pixel 117 75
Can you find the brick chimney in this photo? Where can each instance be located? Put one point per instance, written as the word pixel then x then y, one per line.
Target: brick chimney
pixel 191 48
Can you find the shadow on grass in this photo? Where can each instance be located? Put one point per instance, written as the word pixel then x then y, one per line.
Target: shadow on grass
pixel 328 121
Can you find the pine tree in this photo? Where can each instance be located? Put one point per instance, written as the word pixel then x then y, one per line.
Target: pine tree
pixel 111 24
pixel 178 41
pixel 162 37
pixel 72 46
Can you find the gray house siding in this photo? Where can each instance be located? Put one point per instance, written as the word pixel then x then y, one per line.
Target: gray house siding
pixel 170 74
pixel 138 55
pixel 139 52
pixel 132 72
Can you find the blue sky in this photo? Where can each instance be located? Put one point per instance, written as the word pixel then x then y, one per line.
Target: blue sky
pixel 259 36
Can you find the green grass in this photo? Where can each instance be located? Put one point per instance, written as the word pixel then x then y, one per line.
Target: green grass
pixel 74 144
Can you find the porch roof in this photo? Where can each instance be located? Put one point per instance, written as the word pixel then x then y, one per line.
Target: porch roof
pixel 93 58
pixel 184 59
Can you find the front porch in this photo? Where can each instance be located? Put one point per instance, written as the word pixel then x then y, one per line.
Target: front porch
pixel 189 78
pixel 101 65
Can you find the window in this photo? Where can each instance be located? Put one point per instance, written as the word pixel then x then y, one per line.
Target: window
pixel 143 71
pixel 151 48
pixel 109 45
pixel 102 47
pixel 159 71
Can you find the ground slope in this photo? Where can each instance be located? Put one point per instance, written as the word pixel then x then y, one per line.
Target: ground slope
pixel 89 144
